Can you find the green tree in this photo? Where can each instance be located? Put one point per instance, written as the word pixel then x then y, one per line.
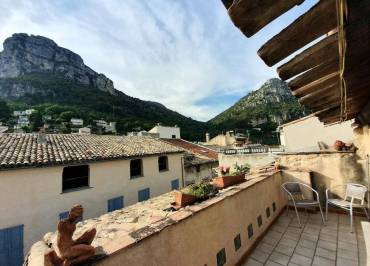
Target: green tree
pixel 5 112
pixel 66 116
pixel 35 121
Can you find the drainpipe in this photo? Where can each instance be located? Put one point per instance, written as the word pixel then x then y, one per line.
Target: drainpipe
pixel 182 171
pixel 368 181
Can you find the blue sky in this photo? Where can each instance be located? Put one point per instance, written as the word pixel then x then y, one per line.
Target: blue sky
pixel 185 54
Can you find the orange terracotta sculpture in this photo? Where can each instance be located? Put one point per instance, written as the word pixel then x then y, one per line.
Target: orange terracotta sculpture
pixel 71 252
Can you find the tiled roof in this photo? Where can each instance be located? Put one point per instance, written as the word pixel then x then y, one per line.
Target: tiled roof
pixel 194 148
pixel 24 150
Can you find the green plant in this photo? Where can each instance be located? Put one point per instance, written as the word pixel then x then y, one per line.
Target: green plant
pixel 202 189
pixel 241 169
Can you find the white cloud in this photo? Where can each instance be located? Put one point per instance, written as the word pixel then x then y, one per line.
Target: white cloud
pixel 179 53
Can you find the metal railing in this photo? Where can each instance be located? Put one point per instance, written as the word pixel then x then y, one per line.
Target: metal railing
pixel 250 150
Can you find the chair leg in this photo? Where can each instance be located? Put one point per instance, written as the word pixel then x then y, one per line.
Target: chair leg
pixel 296 212
pixel 351 219
pixel 367 214
pixel 322 215
pixel 326 210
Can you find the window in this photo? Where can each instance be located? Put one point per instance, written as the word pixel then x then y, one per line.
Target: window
pixel 259 220
pixel 250 231
pixel 267 212
pixel 136 168
pixel 115 204
pixel 64 215
pixel 237 242
pixel 197 167
pixel 75 177
pixel 174 184
pixel 163 163
pixel 144 194
pixel 173 136
pixel 221 257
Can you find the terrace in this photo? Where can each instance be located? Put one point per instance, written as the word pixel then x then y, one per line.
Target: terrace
pixel 285 243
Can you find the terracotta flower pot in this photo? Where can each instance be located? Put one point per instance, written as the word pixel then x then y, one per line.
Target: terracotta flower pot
pixel 228 180
pixel 182 199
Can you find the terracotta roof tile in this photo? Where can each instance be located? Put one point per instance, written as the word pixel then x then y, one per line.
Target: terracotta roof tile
pixel 23 150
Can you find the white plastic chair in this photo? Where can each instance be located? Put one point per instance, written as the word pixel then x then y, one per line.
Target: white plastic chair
pixel 353 198
pixel 297 199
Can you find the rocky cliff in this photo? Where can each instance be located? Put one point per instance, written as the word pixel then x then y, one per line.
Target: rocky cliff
pixel 26 54
pixel 272 102
pixel 37 73
pixel 265 108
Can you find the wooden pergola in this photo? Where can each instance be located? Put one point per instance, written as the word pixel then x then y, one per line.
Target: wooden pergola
pixel 332 76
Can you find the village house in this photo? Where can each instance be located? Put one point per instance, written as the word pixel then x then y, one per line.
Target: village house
pixel 229 139
pixel 199 162
pixel 43 175
pixel 166 132
pixel 309 134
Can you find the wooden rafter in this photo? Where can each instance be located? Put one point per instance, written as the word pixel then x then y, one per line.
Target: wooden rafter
pixel 319 20
pixel 250 16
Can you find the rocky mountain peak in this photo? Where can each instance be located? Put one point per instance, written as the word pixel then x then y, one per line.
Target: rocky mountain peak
pixel 25 54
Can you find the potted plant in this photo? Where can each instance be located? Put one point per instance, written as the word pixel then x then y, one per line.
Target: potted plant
pixel 228 179
pixel 194 193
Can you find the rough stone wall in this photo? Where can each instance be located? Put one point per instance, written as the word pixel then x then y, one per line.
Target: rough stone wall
pixel 327 169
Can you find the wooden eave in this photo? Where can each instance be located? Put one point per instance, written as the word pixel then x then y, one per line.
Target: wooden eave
pixel 313 74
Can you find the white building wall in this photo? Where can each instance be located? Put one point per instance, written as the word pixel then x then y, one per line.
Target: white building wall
pixel 304 134
pixel 166 132
pixel 33 197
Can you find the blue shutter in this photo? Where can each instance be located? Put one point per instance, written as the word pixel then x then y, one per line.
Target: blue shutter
pixel 11 246
pixel 144 194
pixel 115 204
pixel 175 184
pixel 64 215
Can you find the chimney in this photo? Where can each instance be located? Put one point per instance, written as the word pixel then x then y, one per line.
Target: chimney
pixel 41 137
pixel 207 137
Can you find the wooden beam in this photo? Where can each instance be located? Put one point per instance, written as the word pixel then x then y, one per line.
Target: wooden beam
pixel 227 3
pixel 319 20
pixel 315 73
pixel 321 83
pixel 250 16
pixel 315 55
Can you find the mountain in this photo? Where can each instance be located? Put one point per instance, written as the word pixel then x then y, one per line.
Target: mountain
pixel 36 73
pixel 261 111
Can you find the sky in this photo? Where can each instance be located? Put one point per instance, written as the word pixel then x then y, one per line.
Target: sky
pixel 185 54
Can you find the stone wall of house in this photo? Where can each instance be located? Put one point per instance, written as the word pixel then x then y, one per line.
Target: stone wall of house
pixel 327 169
pixel 205 172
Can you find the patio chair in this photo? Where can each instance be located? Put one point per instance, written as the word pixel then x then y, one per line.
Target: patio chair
pixel 353 198
pixel 297 199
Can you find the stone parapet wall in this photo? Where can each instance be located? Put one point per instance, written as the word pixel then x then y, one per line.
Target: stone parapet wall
pixel 148 233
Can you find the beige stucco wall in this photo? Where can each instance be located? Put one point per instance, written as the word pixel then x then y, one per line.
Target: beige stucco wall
pixel 34 197
pixel 222 140
pixel 304 134
pixel 166 132
pixel 253 159
pixel 197 239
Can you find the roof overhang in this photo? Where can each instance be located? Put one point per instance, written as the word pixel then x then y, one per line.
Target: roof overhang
pixel 313 75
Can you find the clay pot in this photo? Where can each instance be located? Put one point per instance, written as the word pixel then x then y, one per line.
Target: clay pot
pixel 339 145
pixel 228 180
pixel 182 199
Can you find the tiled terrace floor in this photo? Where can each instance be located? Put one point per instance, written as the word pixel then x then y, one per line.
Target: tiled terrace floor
pixel 313 244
